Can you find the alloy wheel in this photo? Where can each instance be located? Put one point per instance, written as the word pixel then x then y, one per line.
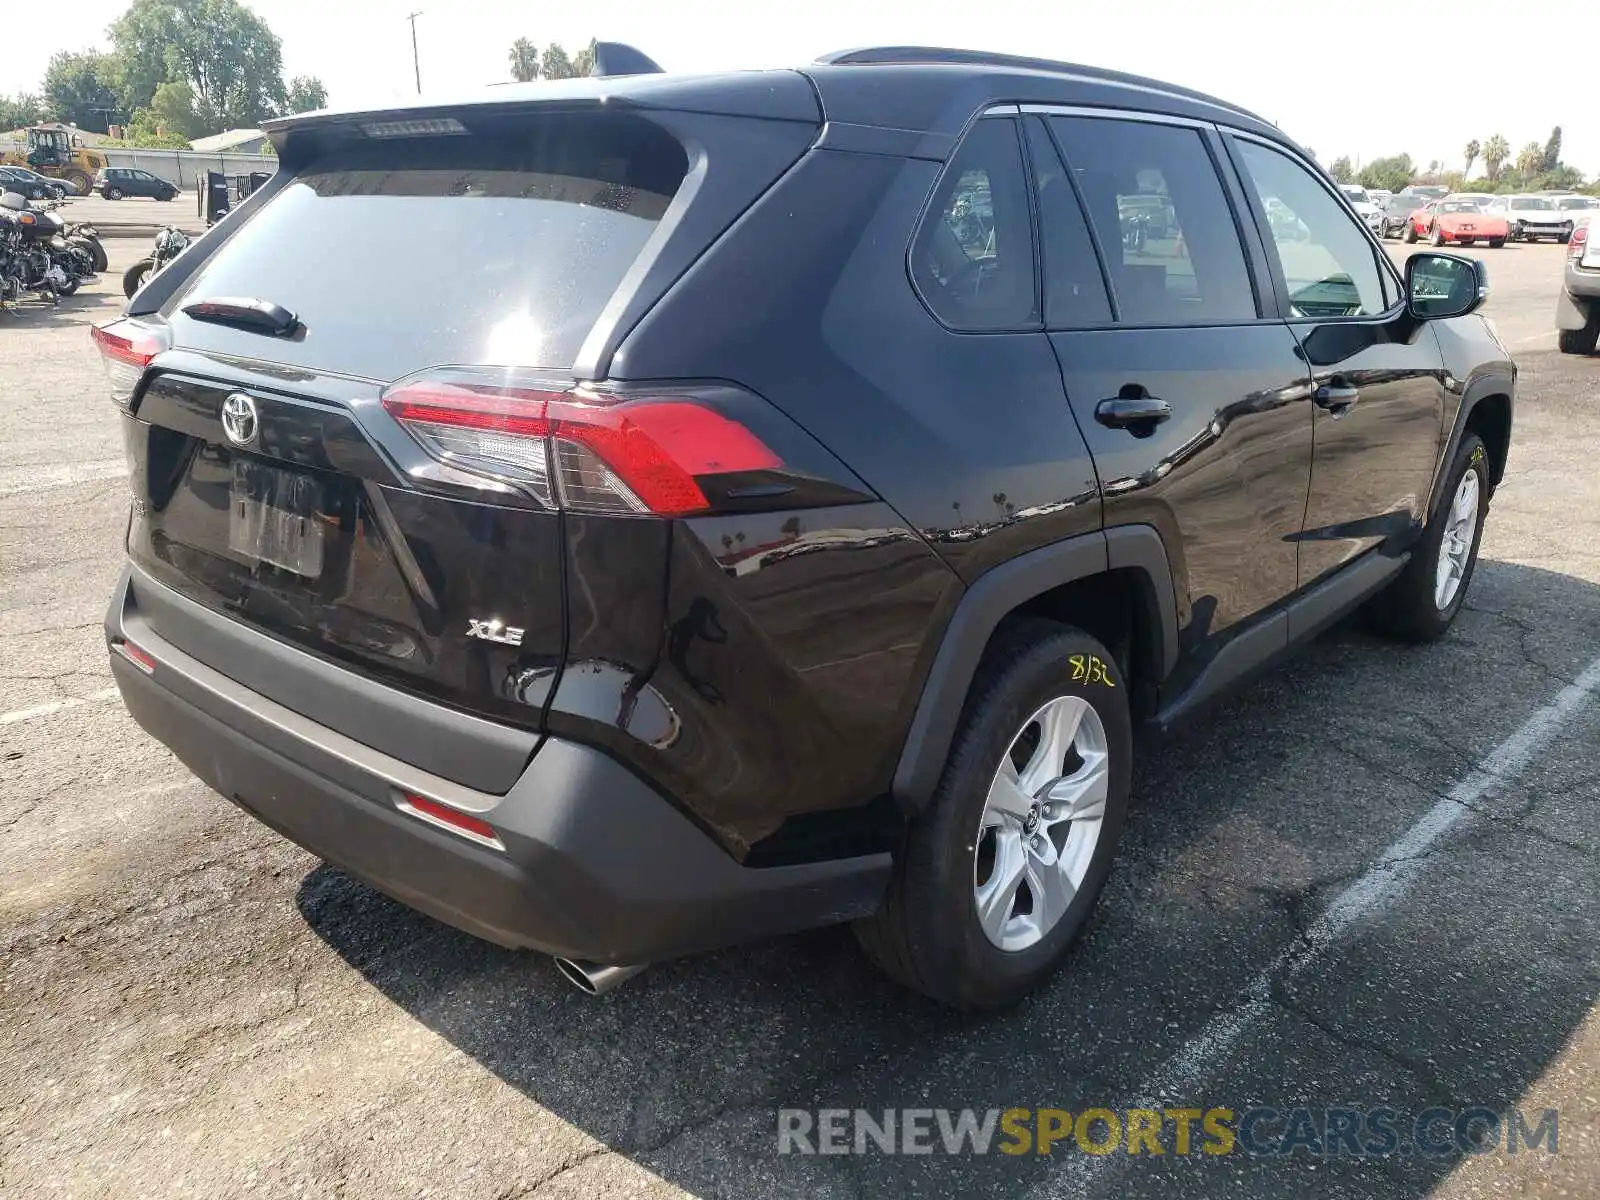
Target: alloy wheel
pixel 1455 547
pixel 1041 823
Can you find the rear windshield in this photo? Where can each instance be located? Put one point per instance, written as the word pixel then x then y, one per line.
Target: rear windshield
pixel 499 246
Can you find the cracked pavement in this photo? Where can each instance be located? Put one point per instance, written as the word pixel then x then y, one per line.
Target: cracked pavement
pixel 191 1006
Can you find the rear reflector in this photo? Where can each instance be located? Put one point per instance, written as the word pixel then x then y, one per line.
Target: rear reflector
pixel 452 819
pixel 127 348
pixel 574 448
pixel 139 658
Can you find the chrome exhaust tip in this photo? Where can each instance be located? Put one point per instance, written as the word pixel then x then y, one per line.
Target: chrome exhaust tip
pixel 595 978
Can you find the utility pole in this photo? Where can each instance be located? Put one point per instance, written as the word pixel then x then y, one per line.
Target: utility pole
pixel 416 62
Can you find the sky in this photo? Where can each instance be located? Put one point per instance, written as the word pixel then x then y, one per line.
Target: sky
pixel 1324 72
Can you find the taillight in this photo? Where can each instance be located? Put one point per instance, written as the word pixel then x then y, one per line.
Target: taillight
pixel 1579 239
pixel 126 347
pixel 577 448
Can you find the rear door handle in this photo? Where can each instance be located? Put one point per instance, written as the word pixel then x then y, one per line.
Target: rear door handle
pixel 1135 413
pixel 1336 398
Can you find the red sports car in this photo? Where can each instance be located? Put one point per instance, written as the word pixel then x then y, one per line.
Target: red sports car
pixel 1461 222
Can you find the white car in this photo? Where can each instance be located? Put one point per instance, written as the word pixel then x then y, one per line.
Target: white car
pixel 1533 217
pixel 1581 209
pixel 1360 200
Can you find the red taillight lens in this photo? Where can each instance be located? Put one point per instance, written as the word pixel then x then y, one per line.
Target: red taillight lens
pixel 127 348
pixel 1579 239
pixel 452 819
pixel 583 450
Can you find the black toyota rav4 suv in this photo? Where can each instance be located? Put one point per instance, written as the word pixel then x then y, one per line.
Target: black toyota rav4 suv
pixel 626 516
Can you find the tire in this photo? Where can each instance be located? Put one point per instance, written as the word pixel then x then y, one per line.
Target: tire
pixel 67 288
pixel 927 935
pixel 1516 234
pixel 113 193
pixel 1411 608
pixel 97 252
pixel 1579 341
pixel 1563 238
pixel 1410 236
pixel 133 278
pixel 1436 238
pixel 78 181
pixel 1497 243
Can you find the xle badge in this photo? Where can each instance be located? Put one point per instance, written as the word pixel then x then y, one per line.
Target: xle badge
pixel 494 631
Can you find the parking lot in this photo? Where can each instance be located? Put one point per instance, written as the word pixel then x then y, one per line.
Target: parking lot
pixel 1371 878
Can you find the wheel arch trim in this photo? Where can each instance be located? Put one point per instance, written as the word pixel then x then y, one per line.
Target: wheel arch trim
pixel 996 594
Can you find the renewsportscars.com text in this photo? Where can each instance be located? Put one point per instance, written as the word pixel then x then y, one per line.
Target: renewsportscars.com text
pixel 1258 1131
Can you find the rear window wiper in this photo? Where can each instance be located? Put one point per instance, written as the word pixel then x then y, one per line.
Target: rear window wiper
pixel 244 312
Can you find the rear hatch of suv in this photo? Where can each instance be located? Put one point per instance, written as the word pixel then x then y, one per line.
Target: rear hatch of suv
pixel 362 412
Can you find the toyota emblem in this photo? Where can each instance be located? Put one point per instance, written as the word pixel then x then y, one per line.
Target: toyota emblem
pixel 239 419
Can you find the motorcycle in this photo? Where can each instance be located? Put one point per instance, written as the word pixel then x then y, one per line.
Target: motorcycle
pixel 34 257
pixel 81 233
pixel 170 243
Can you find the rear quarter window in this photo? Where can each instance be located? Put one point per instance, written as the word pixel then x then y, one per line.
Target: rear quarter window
pixel 498 247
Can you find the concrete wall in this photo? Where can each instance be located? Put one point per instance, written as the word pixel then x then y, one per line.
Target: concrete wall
pixel 184 167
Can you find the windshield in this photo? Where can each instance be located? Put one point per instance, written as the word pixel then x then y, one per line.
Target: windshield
pixel 1458 206
pixel 1570 202
pixel 1533 202
pixel 1357 195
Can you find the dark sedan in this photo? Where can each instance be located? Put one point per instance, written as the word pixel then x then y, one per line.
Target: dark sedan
pixel 31 184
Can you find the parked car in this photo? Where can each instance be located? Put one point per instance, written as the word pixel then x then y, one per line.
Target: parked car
pixel 1579 208
pixel 1578 309
pixel 1370 214
pixel 1532 217
pixel 1397 212
pixel 114 183
pixel 31 185
pixel 1456 222
pixel 730 539
pixel 1427 191
pixel 1379 196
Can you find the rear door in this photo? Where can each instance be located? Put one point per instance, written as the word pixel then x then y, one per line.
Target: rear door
pixel 1378 375
pixel 1191 395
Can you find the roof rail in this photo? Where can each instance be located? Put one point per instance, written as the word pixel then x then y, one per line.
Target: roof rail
pixel 613 58
pixel 939 55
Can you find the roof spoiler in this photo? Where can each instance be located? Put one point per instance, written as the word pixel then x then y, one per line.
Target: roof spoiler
pixel 613 58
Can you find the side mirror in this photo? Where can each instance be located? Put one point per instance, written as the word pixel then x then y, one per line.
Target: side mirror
pixel 1444 285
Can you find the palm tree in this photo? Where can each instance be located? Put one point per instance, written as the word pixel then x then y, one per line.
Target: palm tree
pixel 1530 161
pixel 524 60
pixel 1495 152
pixel 1472 152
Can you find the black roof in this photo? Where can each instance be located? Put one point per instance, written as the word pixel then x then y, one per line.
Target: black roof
pixel 918 89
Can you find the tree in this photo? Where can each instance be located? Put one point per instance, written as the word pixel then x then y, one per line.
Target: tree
pixel 222 50
pixel 555 64
pixel 1530 161
pixel 1435 167
pixel 1341 170
pixel 583 60
pixel 170 113
pixel 146 130
pixel 305 93
pixel 1552 151
pixel 22 109
pixel 1495 152
pixel 1391 173
pixel 1563 177
pixel 524 60
pixel 77 89
pixel 1471 154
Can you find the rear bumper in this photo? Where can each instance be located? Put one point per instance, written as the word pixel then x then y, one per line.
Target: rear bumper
pixel 596 864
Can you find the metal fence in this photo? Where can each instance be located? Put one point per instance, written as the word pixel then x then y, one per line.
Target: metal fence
pixel 183 167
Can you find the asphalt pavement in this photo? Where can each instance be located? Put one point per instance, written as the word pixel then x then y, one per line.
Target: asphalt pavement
pixel 1367 880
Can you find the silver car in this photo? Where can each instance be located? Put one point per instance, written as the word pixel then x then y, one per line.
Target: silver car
pixel 1533 217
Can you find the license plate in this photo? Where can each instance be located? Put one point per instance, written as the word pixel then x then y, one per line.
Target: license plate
pixel 273 518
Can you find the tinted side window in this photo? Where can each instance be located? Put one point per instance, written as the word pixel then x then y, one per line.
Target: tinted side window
pixel 1328 261
pixel 1163 222
pixel 1074 288
pixel 973 256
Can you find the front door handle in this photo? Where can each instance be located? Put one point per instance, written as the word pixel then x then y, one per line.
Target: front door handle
pixel 1336 398
pixel 1140 414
